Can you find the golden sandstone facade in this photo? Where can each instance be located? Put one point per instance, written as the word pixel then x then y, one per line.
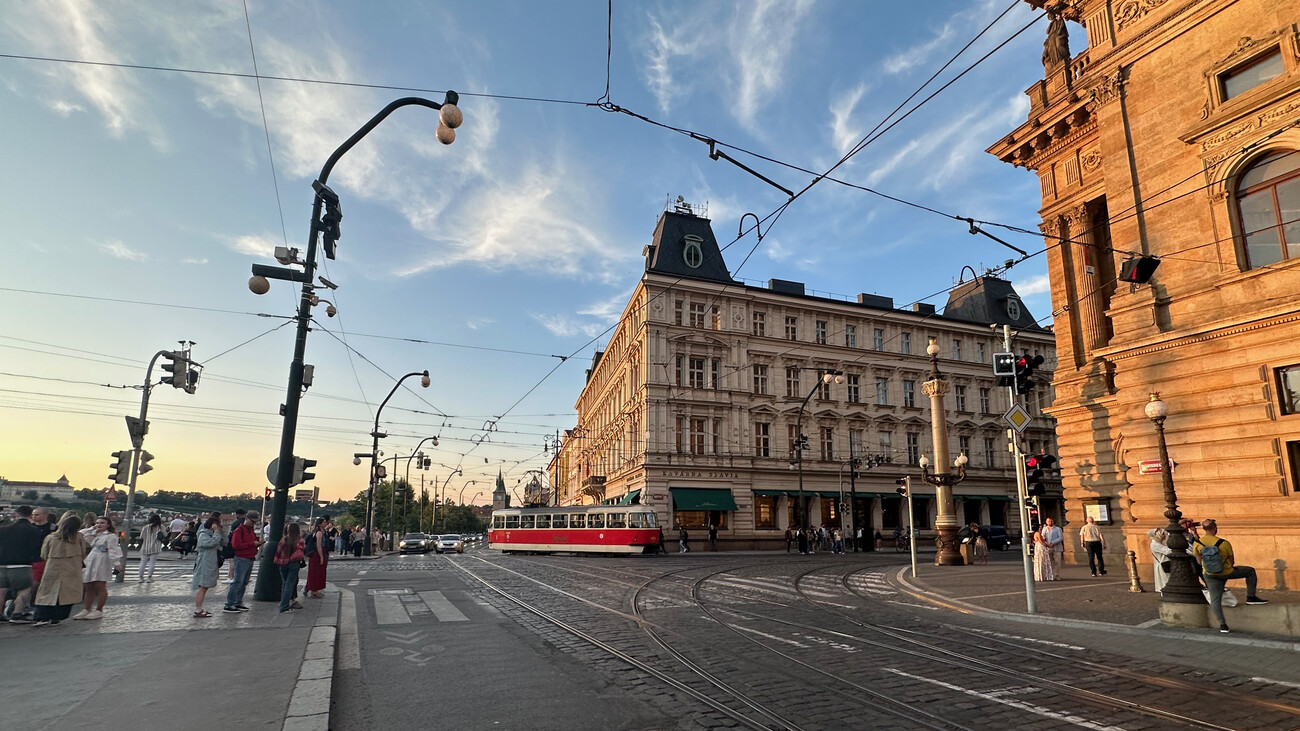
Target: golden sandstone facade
pixel 1174 135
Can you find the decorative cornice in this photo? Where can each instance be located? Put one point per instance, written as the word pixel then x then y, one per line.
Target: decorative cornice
pixel 1204 337
pixel 1131 11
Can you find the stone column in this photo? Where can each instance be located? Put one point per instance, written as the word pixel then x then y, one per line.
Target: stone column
pixel 945 521
pixel 1087 285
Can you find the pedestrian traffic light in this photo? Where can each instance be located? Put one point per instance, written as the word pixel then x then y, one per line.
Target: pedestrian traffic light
pixel 121 467
pixel 1004 367
pixel 179 367
pixel 191 378
pixel 144 465
pixel 1138 270
pixel 1025 367
pixel 1034 466
pixel 903 484
pixel 268 493
pixel 329 222
pixel 300 473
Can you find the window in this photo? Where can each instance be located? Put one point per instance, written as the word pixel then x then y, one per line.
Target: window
pixel 886 440
pixel 760 324
pixel 717 436
pixel 791 328
pixel 854 388
pixel 764 511
pixel 1288 389
pixel 596 520
pixel 959 393
pixel 715 374
pixel 1244 78
pixel 525 521
pixel 717 319
pixel 984 401
pixel 578 521
pixel 1268 202
pixel 697 436
pixel 760 379
pixel 905 343
pixel 909 393
pixel 819 332
pixel 792 382
pixel 697 314
pixel 823 390
pixel 882 392
pixel 695 373
pixel 678 436
pixel 956 350
pixel 691 252
pixel 850 336
pixel 677 312
pixel 878 339
pixel 855 442
pixel 963 446
pixel 762 439
pixel 792 437
pixel 512 521
pixel 560 521
pixel 913 447
pixel 980 355
pixel 990 452
pixel 828 444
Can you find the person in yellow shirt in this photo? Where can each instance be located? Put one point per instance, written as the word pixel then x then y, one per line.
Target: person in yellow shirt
pixel 1216 558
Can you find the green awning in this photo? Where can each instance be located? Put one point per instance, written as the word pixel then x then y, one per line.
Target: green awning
pixel 628 498
pixel 994 498
pixel 770 493
pixel 702 498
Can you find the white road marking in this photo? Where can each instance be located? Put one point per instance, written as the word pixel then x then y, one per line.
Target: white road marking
pixel 1150 623
pixel 998 697
pixel 389 610
pixel 488 608
pixel 362 572
pixel 354 582
pixel 441 607
pixel 771 637
pixel 1004 636
pixel 349 640
pixel 1285 683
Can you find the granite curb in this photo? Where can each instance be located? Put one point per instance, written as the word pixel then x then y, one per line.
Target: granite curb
pixel 956 605
pixel 309 706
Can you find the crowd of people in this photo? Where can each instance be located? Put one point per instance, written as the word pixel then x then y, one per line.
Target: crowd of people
pixel 46 569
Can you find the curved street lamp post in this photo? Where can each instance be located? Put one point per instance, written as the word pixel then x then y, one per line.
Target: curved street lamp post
pixel 1182 588
pixel 828 376
pixel 945 522
pixel 376 435
pixel 450 117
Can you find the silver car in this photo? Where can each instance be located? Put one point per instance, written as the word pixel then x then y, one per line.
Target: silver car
pixel 413 543
pixel 450 543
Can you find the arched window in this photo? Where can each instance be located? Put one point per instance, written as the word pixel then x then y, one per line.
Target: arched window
pixel 1268 200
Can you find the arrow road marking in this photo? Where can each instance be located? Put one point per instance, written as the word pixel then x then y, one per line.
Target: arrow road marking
pixel 408 639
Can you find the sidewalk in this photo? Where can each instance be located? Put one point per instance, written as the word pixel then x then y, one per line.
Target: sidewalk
pixel 149 664
pixel 997 590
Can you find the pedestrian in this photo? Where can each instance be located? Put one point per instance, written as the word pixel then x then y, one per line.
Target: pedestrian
pixel 244 541
pixel 20 547
pixel 88 523
pixel 61 587
pixel 661 549
pixel 105 555
pixel 150 546
pixel 898 538
pixel 289 557
pixel 979 545
pixel 713 537
pixel 316 559
pixel 858 545
pixel 803 542
pixel 1044 569
pixel 837 541
pixel 40 519
pixel 208 544
pixel 1160 556
pixel 177 526
pixel 1218 568
pixel 880 540
pixel 789 539
pixel 358 541
pixel 1055 539
pixel 226 553
pixel 1094 542
pixel 338 540
pixel 683 541
pixel 189 538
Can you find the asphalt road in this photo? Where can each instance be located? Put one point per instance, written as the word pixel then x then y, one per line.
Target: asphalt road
pixel 485 641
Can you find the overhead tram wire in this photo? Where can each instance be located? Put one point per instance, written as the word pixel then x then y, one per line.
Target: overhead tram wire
pixel 119 300
pixel 374 365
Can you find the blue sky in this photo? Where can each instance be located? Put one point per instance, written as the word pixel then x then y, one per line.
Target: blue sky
pixel 152 192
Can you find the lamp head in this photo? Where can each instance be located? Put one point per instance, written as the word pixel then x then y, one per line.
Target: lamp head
pixel 258 285
pixel 356 460
pixel 1155 408
pixel 933 347
pixel 450 116
pixel 961 460
pixel 424 381
pixel 331 310
pixel 925 462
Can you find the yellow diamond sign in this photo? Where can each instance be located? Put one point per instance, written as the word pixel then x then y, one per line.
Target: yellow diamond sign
pixel 1017 417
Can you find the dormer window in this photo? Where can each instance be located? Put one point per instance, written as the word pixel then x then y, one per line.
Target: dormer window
pixel 692 254
pixel 1013 308
pixel 1241 79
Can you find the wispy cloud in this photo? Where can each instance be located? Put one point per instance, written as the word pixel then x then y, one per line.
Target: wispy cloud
pixel 914 56
pixel 1039 284
pixel 478 323
pixel 65 108
pixel 665 50
pixel 194 261
pixel 761 44
pixel 119 250
pixel 566 327
pixel 845 134
pixel 609 309
pixel 263 246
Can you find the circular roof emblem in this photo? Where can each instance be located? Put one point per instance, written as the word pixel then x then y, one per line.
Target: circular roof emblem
pixel 692 254
pixel 1013 308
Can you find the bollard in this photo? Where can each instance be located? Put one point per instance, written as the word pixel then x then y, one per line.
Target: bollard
pixel 1135 584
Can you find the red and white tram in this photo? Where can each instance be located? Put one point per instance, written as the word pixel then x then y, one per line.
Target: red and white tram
pixel 575 529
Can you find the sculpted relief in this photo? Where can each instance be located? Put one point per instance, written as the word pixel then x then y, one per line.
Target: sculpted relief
pixel 1130 11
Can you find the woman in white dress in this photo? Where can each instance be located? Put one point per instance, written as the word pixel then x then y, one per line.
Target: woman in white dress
pixel 105 553
pixel 1043 570
pixel 1159 554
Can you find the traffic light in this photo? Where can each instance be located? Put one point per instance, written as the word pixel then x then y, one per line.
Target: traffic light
pixel 191 379
pixel 300 473
pixel 1138 270
pixel 903 484
pixel 1025 367
pixel 329 222
pixel 121 467
pixel 268 493
pixel 179 368
pixel 1034 466
pixel 426 463
pixel 144 466
pixel 1004 367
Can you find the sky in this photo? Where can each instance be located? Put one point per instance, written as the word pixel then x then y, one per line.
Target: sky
pixel 135 200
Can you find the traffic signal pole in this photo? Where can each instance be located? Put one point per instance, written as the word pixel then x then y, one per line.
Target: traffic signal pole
pixel 1022 490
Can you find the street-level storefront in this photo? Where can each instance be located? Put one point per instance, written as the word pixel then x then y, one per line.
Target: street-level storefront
pixel 701 507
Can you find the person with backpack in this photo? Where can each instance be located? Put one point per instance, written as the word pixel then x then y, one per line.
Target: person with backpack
pixel 243 544
pixel 1215 555
pixel 288 556
pixel 314 549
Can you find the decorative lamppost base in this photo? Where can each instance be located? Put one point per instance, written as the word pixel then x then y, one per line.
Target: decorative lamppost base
pixel 949 553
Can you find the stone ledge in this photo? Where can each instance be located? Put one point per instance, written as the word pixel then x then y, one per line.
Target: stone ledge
pixel 1271 619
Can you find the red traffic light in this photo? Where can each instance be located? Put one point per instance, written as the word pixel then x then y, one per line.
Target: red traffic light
pixel 1031 460
pixel 268 493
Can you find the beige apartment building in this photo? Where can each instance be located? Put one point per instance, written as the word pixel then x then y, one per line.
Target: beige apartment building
pixel 1174 136
pixel 694 404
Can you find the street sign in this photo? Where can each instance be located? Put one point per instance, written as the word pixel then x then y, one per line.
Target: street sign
pixel 1017 417
pixel 1153 467
pixel 110 494
pixel 304 496
pixel 272 470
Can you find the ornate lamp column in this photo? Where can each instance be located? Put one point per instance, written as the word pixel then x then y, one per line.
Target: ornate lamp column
pixel 1182 587
pixel 945 522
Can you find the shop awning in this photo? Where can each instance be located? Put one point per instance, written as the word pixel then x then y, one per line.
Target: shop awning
pixel 630 497
pixel 770 493
pixel 702 498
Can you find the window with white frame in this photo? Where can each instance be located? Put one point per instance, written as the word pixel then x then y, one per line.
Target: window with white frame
pixel 716 433
pixel 959 394
pixel 828 443
pixel 762 439
pixel 985 406
pixel 792 438
pixel 886 441
pixel 678 309
pixel 990 452
pixel 760 379
pixel 697 436
pixel 760 324
pixel 715 374
pixel 853 381
pixel 823 390
pixel 980 353
pixel 905 343
pixel 791 328
pixel 878 339
pixel 697 310
pixel 882 392
pixel 909 393
pixel 850 336
pixel 792 382
pixel 913 447
pixel 963 446
pixel 695 372
pixel 956 349
pixel 855 442
pixel 819 331
pixel 717 318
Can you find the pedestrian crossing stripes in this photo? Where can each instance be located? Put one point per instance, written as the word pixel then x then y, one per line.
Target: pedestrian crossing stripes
pixel 403 606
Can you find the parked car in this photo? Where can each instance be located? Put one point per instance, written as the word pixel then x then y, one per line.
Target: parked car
pixel 996 536
pixel 413 543
pixel 450 543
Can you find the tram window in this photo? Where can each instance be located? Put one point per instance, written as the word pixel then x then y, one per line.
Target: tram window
pixel 526 521
pixel 596 520
pixel 512 521
pixel 559 521
pixel 543 521
pixel 578 521
pixel 617 520
pixel 637 520
pixel 498 521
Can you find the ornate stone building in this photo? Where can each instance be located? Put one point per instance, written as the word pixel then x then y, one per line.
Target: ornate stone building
pixel 1174 136
pixel 694 405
